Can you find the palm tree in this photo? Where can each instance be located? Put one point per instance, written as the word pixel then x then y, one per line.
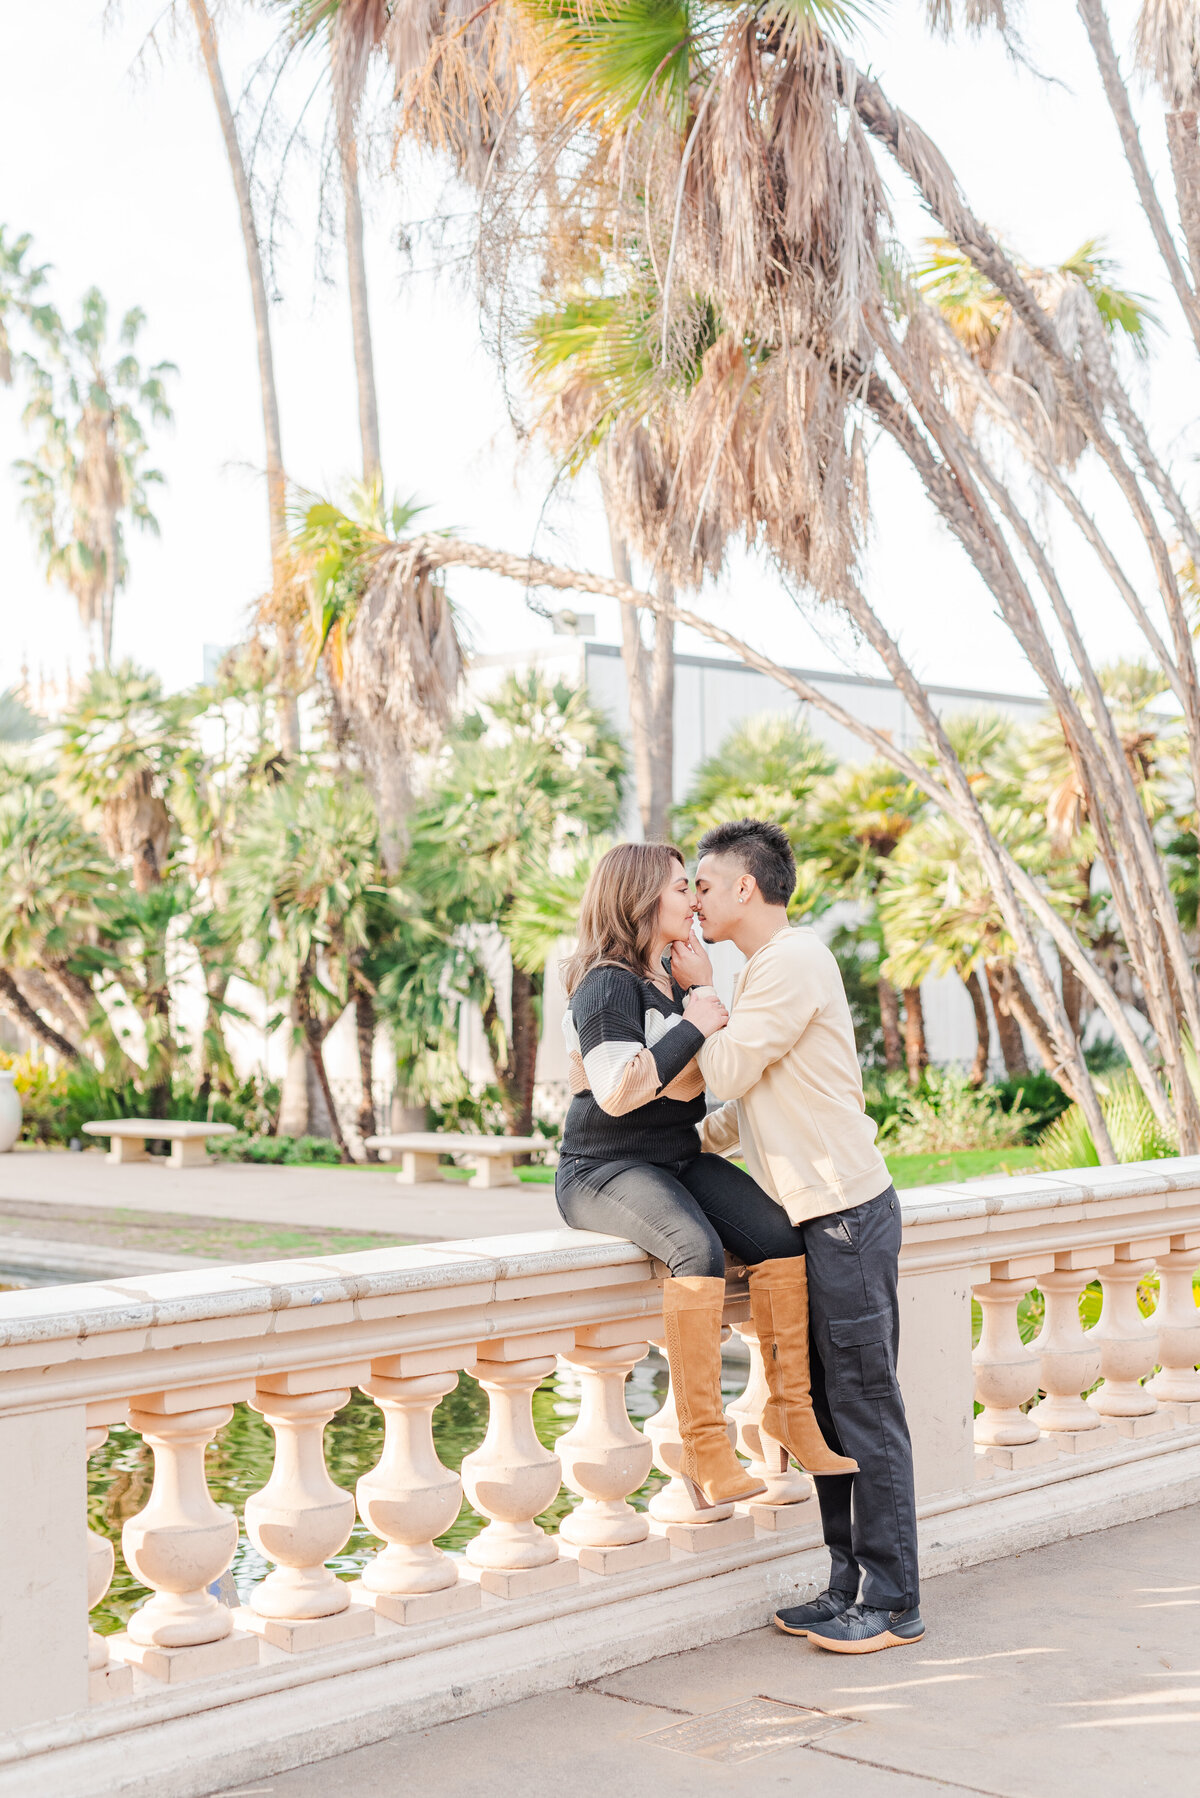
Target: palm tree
pixel 121 743
pixel 524 782
pixel 588 364
pixel 288 708
pixel 54 885
pixel 770 767
pixel 768 435
pixel 20 283
pixel 388 639
pixel 860 814
pixel 88 472
pixel 307 902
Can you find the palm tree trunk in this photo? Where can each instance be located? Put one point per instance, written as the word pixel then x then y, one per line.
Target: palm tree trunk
pixel 1184 146
pixel 364 1023
pixel 313 1039
pixel 889 1018
pixel 916 1052
pixel 1072 993
pixel 1096 25
pixel 293 1102
pixel 522 1059
pixel 1016 996
pixel 662 735
pixel 16 1006
pixel 1012 1049
pixel 360 317
pixel 289 710
pixel 637 682
pixel 983 1034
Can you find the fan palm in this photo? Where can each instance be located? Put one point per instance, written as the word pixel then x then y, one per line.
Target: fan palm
pixel 20 284
pixel 88 473
pixel 768 768
pixel 524 782
pixel 389 641
pixel 307 902
pixel 121 742
pixel 54 882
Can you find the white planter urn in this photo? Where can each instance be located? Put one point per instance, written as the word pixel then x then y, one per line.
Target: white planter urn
pixel 10 1110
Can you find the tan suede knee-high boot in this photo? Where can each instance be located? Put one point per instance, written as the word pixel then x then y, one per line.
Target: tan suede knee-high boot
pixel 779 1303
pixel 692 1306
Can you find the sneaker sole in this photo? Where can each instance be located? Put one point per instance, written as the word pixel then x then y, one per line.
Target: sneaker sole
pixel 869 1645
pixel 787 1628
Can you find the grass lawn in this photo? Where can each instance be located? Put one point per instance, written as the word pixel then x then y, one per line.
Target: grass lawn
pixel 906 1170
pixel 965 1164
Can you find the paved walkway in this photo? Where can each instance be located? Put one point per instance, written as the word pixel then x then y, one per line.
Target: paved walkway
pixel 1070 1670
pixel 319 1197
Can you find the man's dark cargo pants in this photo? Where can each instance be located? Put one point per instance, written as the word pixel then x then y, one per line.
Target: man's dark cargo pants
pixel 869 1517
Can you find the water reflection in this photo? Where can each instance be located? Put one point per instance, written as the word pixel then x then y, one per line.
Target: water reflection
pixel 239 1463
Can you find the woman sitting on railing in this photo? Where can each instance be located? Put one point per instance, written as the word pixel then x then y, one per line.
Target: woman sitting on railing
pixel 631 1166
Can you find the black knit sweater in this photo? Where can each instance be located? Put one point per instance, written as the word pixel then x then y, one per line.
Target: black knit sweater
pixel 638 1091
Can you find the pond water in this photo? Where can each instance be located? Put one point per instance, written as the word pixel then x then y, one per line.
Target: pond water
pixel 239 1463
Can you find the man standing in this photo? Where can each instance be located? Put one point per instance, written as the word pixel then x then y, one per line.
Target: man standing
pixel 787 1066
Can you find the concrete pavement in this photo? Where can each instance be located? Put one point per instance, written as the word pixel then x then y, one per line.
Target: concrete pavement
pixel 366 1199
pixel 1071 1669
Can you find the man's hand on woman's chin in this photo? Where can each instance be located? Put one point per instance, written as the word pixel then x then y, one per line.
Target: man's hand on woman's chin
pixel 690 965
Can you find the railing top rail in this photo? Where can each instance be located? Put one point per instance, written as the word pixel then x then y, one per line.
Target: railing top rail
pixel 97 1307
pixel 964 1223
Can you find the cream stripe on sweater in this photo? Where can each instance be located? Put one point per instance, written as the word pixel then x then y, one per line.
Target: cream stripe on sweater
pixel 787 1064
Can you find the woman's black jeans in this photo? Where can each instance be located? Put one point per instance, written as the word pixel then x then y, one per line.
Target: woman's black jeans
pixel 686 1213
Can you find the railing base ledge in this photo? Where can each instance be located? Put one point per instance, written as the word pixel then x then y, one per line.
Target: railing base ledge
pixel 222 1733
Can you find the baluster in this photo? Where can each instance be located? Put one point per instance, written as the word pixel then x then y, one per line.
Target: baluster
pixel 1006 1372
pixel 182 1542
pixel 300 1518
pixel 409 1499
pixel 510 1478
pixel 672 1512
pixel 1176 1327
pixel 106 1678
pixel 1069 1357
pixel 780 1507
pixel 604 1458
pixel 1127 1347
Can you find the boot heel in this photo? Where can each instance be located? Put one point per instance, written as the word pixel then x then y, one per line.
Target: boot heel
pixel 697 1497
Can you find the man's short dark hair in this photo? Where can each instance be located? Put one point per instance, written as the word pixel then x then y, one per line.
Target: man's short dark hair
pixel 762 849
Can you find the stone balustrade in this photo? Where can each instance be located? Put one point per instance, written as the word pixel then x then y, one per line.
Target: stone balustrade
pixel 171 1355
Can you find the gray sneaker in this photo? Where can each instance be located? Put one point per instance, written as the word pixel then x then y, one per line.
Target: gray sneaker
pixel 799 1619
pixel 862 1630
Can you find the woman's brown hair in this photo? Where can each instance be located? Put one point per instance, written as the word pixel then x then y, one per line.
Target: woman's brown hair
pixel 619 913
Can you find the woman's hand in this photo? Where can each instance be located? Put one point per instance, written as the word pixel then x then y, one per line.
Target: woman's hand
pixel 706 1012
pixel 690 965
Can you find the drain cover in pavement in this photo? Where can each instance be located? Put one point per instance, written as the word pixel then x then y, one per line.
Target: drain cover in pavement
pixel 744 1731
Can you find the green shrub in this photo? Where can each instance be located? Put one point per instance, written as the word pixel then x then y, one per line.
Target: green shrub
pixel 58 1109
pixel 1135 1132
pixel 277 1151
pixel 1038 1095
pixel 946 1114
pixel 41 1092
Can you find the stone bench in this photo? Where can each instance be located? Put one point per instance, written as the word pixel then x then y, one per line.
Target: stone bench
pixel 129 1137
pixel 492 1156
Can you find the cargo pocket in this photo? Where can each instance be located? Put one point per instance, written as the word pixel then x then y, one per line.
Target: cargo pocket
pixel 863 1366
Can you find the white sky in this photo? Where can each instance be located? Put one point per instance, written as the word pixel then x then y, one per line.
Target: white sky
pixel 121 177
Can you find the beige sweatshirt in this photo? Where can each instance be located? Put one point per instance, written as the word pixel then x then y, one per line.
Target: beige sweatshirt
pixel 786 1061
